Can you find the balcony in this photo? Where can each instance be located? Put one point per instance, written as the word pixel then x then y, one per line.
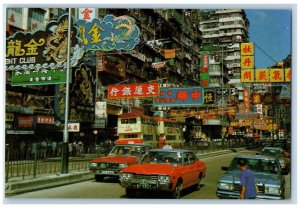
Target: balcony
pixel 226 11
pixel 211 35
pixel 230 19
pixel 231 26
pixel 214 72
pixel 232 57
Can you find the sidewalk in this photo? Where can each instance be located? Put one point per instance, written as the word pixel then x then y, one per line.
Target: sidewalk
pixel 53 180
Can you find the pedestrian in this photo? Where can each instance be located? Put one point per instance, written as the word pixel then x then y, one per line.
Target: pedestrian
pixel 44 148
pixel 54 148
pixel 71 149
pixel 248 190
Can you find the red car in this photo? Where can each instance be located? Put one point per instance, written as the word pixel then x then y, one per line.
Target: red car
pixel 121 156
pixel 170 170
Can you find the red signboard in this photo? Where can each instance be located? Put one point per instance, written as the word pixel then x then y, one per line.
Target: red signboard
pixel 25 122
pixel 45 119
pixel 247 99
pixel 137 110
pixel 133 91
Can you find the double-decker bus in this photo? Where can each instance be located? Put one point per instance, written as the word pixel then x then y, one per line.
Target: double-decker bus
pixel 137 128
pixel 170 132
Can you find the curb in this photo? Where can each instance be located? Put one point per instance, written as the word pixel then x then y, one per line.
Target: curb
pixel 47 182
pixel 222 152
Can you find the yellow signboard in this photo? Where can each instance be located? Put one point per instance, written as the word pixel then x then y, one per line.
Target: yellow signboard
pixel 276 75
pixel 262 75
pixel 247 62
pixel 247 75
pixel 247 49
pixel 288 75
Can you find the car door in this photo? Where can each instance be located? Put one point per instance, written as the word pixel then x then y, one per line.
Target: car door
pixel 187 171
pixel 195 167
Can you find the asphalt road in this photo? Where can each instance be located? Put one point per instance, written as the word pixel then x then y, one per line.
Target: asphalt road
pixel 110 188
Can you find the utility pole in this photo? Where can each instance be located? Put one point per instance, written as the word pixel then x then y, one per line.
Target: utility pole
pixel 65 149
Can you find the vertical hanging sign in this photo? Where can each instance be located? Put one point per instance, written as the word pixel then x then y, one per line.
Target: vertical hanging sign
pixel 204 68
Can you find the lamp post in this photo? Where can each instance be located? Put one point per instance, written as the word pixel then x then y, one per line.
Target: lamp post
pixel 65 150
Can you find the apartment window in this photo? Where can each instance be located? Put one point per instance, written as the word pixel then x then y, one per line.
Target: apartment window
pixel 19 10
pixel 36 14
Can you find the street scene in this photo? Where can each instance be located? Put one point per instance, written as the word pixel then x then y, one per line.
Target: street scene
pixel 148 103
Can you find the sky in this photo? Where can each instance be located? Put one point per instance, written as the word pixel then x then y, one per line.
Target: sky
pixel 271 31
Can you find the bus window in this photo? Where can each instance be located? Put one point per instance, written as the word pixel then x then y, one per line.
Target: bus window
pixel 124 121
pixel 132 120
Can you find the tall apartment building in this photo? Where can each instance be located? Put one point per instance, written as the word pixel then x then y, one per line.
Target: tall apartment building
pixel 222 31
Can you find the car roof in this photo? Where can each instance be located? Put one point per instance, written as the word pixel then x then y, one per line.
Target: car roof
pixel 274 148
pixel 255 157
pixel 133 145
pixel 170 150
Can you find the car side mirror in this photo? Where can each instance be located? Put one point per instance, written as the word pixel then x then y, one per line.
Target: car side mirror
pixel 225 168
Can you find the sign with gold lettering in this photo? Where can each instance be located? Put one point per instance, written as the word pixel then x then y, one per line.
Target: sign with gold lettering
pixel 39 58
pixel 110 33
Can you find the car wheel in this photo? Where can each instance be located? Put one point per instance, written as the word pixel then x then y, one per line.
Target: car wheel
pixel 99 178
pixel 130 193
pixel 177 191
pixel 199 183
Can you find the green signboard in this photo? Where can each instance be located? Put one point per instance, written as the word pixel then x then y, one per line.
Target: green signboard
pixel 39 78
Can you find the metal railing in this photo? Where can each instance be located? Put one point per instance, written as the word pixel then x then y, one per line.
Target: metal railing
pixel 24 165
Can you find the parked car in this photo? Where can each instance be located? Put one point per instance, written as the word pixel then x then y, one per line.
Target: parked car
pixel 281 154
pixel 170 170
pixel 120 156
pixel 270 181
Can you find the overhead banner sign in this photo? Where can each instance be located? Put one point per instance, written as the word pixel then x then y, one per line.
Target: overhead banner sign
pixel 39 58
pixel 133 91
pixel 111 33
pixel 192 96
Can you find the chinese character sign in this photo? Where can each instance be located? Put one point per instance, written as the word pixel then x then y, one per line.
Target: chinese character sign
pixel 247 75
pixel 247 49
pixel 111 33
pixel 209 97
pixel 256 99
pixel 247 62
pixel 39 58
pixel 247 99
pixel 276 75
pixel 133 91
pixel 262 75
pixel 73 127
pixel 204 68
pixel 87 14
pixel 191 96
pixel 288 75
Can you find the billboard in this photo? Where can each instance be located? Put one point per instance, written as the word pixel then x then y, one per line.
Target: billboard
pixel 190 96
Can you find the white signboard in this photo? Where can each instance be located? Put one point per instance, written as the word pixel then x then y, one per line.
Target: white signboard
pixel 74 127
pixel 87 14
pixel 101 109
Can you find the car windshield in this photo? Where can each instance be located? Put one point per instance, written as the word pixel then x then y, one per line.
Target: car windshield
pixel 258 165
pixel 163 157
pixel 272 152
pixel 126 150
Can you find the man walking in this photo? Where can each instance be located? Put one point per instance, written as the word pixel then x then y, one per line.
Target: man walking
pixel 247 181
